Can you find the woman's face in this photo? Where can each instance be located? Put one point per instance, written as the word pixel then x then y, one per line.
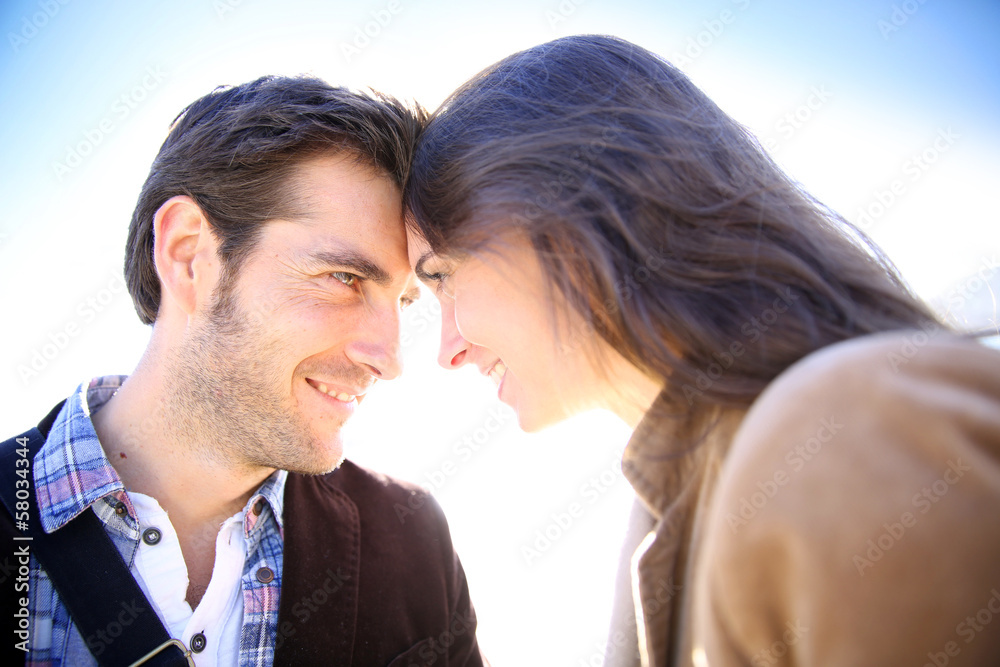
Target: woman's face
pixel 498 316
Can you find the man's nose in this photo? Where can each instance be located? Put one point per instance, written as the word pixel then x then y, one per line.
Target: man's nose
pixel 377 346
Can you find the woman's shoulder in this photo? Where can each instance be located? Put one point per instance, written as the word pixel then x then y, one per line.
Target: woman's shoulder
pixel 866 365
pixel 883 381
pixel 894 406
pixel 862 483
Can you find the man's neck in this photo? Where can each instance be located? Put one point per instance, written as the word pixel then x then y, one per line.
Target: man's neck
pixel 137 432
pixel 198 492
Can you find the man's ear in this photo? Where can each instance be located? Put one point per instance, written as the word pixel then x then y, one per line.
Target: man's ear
pixel 185 253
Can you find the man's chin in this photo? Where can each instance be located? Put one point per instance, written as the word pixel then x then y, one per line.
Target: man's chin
pixel 328 454
pixel 321 469
pixel 318 457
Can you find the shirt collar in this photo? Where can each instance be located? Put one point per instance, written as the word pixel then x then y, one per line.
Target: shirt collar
pixel 72 471
pixel 269 497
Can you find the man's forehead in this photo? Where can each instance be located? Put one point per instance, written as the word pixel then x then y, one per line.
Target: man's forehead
pixel 359 206
pixel 339 189
pixel 310 179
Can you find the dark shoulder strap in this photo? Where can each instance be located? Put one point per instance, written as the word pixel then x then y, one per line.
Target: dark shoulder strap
pixel 108 607
pixel 48 420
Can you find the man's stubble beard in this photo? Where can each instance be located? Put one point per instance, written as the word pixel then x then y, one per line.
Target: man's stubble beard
pixel 227 397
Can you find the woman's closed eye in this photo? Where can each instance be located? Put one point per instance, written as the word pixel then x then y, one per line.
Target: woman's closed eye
pixel 442 283
pixel 437 273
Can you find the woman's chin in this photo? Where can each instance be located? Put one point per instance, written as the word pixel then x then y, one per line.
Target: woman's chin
pixel 533 421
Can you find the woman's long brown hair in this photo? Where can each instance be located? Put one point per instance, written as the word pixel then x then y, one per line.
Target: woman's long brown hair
pixel 658 217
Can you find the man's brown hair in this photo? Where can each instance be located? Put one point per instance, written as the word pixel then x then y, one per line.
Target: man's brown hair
pixel 234 150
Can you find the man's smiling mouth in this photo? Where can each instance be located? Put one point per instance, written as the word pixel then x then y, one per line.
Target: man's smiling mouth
pixel 342 395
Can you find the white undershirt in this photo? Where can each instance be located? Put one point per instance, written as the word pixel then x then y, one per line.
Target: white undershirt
pixel 162 574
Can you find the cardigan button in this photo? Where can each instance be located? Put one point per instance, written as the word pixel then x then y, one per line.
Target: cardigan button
pixel 258 507
pixel 198 642
pixel 265 575
pixel 151 536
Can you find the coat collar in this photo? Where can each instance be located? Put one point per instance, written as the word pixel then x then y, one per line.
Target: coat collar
pixel 659 461
pixel 673 476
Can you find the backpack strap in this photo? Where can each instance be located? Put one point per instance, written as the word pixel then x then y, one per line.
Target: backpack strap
pixel 118 623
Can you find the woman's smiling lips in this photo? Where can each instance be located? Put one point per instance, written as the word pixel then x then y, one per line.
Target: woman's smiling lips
pixel 497 371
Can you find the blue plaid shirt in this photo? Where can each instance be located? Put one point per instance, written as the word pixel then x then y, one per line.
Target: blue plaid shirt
pixel 72 473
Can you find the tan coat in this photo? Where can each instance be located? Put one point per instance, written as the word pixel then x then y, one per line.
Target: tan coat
pixel 850 518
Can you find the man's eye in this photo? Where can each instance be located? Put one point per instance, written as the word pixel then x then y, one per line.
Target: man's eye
pixel 348 279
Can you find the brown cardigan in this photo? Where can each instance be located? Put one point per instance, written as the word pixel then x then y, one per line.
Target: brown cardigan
pixel 370 576
pixel 850 519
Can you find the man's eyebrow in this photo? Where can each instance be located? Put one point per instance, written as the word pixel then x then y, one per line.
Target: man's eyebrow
pixel 354 261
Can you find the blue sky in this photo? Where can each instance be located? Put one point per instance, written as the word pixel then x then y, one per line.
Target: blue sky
pixel 884 108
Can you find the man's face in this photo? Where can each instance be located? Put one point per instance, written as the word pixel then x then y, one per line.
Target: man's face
pixel 277 365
